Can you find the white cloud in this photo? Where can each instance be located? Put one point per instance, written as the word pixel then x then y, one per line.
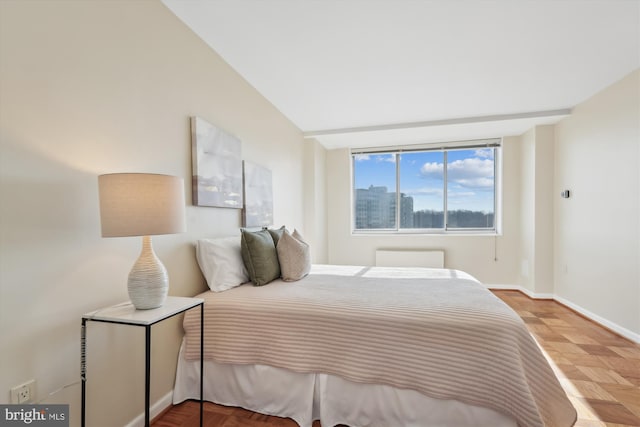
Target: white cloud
pixel 469 173
pixel 391 158
pixel 485 153
pixel 425 191
pixel 486 183
pixel 432 170
pixel 460 194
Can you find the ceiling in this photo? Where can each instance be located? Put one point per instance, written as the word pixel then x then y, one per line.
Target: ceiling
pixel 361 73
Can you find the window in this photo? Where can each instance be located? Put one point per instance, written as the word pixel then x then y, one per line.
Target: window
pixel 449 188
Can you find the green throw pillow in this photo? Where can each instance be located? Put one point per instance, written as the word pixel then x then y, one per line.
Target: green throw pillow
pixel 276 234
pixel 259 256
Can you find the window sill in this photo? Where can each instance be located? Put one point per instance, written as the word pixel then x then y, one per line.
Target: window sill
pixel 423 233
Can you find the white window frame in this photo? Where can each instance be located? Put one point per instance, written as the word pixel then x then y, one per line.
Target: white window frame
pixel 445 147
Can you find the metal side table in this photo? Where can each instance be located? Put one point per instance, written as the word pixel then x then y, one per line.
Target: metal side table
pixel 126 314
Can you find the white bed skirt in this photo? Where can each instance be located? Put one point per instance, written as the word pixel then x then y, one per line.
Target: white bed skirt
pixel 308 397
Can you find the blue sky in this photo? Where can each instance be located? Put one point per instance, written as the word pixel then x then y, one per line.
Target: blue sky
pixel 470 177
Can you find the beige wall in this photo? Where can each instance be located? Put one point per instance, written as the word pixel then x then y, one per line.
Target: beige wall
pixel 545 198
pixel 527 209
pixel 315 192
pixel 95 87
pixel 474 254
pixel 90 88
pixel 597 229
pixel 583 250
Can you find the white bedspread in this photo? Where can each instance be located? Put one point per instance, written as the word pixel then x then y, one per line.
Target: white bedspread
pixel 438 332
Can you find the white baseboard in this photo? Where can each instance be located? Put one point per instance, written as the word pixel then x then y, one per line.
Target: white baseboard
pixel 630 335
pixel 163 403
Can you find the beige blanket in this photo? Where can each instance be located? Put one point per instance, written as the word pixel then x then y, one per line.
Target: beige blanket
pixel 439 332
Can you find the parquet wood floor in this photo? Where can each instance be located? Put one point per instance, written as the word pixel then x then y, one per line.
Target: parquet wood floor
pixel 599 370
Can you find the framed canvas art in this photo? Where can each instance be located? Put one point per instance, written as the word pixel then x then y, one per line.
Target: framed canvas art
pixel 217 166
pixel 258 196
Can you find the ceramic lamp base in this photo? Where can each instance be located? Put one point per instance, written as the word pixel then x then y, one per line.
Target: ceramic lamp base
pixel 148 282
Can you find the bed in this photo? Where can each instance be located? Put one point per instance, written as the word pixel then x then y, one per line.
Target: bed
pixel 372 346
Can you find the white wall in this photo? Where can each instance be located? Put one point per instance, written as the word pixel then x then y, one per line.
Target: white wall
pixel 474 254
pixel 596 233
pixel 536 210
pixel 90 88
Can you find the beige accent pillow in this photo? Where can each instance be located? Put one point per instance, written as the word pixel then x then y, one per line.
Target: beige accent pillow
pixel 294 255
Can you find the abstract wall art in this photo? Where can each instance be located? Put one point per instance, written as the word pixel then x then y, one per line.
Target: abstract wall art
pixel 217 166
pixel 258 196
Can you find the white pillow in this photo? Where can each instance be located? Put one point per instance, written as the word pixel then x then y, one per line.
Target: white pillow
pixel 294 256
pixel 221 263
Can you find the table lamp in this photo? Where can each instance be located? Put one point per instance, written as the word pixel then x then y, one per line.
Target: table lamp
pixel 142 204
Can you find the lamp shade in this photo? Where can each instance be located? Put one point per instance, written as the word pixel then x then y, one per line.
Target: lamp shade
pixel 141 204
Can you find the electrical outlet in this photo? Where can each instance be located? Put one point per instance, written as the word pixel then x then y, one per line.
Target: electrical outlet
pixel 24 393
